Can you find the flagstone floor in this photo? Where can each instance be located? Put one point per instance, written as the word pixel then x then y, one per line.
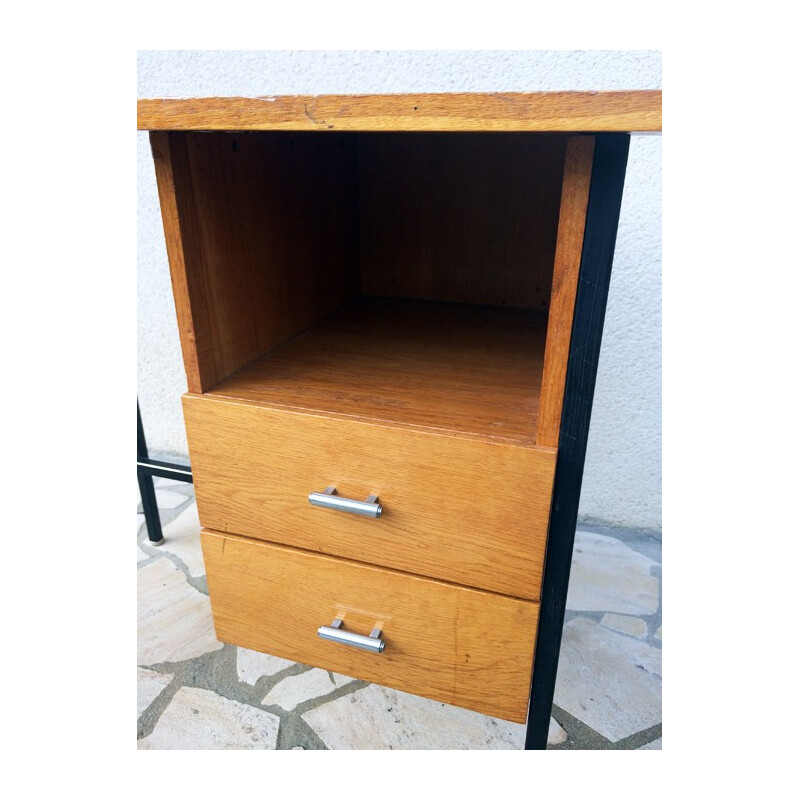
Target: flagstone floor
pixel 197 693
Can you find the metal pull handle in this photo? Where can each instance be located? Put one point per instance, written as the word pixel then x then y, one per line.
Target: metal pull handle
pixel 329 499
pixel 335 633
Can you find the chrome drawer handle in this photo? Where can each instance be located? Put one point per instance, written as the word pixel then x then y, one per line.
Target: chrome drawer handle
pixel 329 499
pixel 335 633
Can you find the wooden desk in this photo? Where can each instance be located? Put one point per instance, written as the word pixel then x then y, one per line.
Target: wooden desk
pixel 390 309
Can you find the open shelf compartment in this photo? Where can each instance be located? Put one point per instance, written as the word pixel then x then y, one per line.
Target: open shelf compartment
pixel 404 278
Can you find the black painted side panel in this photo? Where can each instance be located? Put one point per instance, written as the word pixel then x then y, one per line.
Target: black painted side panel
pixel 602 217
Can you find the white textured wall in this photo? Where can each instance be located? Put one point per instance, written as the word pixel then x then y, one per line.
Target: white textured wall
pixel 622 482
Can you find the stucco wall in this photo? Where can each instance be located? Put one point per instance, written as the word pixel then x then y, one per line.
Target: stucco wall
pixel 622 482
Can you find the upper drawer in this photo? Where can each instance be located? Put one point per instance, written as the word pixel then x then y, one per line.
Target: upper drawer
pixel 458 509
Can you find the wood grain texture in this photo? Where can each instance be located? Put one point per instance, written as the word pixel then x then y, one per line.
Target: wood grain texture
pixel 451 644
pixel 512 111
pixel 458 369
pixel 267 224
pixel 457 509
pixel 185 258
pixel 460 218
pixel 278 230
pixel 572 220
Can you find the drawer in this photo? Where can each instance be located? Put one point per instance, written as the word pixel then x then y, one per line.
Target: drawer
pixel 452 644
pixel 460 509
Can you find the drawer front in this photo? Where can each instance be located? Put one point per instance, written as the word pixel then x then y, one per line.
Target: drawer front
pixel 457 509
pixel 461 646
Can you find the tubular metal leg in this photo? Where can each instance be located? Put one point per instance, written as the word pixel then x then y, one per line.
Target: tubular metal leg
pixel 151 516
pixel 146 488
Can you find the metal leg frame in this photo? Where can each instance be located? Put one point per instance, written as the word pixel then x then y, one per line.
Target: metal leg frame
pixel 602 217
pixel 146 468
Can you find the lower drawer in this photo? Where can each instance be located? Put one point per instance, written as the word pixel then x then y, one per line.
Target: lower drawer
pixel 462 646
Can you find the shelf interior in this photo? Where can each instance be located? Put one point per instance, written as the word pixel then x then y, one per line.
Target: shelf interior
pixel 405 279
pixel 459 369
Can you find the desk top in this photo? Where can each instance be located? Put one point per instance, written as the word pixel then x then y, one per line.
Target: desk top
pixel 513 111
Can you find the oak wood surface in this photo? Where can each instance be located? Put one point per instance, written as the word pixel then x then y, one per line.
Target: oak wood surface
pixel 272 224
pixel 460 218
pixel 461 369
pixel 278 223
pixel 451 644
pixel 458 509
pixel 184 253
pixel 509 111
pixel 566 268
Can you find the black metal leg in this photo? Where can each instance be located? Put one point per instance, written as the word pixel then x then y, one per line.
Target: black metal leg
pixel 146 488
pixel 151 516
pixel 602 217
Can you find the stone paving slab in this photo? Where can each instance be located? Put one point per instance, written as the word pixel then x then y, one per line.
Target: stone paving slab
pixel 607 575
pixel 182 539
pixel 556 734
pixel 656 745
pixel 621 623
pixel 377 718
pixel 251 666
pixel 168 499
pixel 197 719
pixel 609 681
pixel 149 685
pixel 297 689
pixel 174 619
